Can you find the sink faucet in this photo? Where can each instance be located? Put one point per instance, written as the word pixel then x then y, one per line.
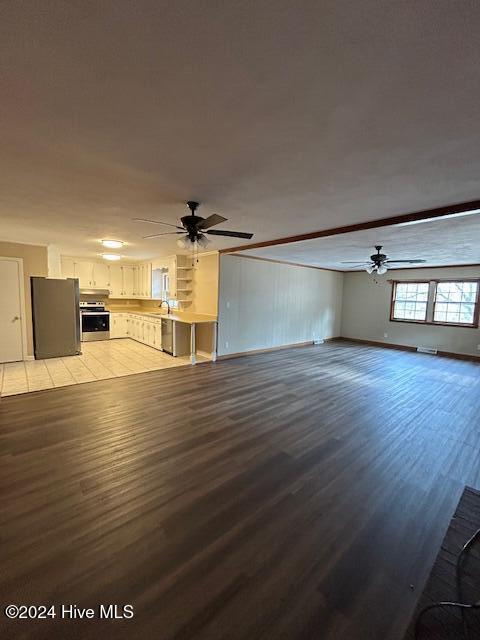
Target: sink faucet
pixel 168 305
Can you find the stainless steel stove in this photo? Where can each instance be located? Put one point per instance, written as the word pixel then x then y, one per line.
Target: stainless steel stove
pixel 94 321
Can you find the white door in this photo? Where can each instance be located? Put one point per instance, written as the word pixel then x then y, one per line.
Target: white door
pixel 11 337
pixel 101 276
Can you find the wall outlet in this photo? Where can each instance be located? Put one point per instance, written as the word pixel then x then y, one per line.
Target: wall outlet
pixel 478 347
pixel 226 345
pixel 385 335
pixel 227 304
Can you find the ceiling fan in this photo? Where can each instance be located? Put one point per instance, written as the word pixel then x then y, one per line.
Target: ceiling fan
pixel 379 262
pixel 194 228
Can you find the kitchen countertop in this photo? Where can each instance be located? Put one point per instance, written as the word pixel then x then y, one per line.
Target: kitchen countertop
pixel 186 318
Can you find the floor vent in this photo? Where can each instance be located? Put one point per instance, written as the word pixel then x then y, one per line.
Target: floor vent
pixel 432 352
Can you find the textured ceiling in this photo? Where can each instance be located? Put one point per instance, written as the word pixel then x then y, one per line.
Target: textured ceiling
pixel 286 117
pixel 439 242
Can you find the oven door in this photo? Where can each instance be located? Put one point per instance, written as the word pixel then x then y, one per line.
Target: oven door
pixel 95 325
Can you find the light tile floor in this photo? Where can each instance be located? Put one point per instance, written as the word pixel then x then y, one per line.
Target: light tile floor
pixel 99 360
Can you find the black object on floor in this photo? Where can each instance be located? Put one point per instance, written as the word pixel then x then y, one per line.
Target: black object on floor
pixel 445 623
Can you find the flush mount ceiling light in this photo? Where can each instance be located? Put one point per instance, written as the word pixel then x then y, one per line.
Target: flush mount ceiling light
pixel 111 256
pixel 112 244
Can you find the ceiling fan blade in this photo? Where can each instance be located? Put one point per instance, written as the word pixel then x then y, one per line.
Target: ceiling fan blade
pixel 230 234
pixel 409 261
pixel 211 221
pixel 354 262
pixel 166 233
pixel 156 222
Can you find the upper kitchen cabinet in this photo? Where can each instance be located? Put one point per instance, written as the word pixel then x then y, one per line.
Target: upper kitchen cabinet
pixel 122 280
pixel 142 278
pixel 128 276
pixel 116 281
pixel 84 273
pixel 147 280
pixel 91 275
pixel 101 276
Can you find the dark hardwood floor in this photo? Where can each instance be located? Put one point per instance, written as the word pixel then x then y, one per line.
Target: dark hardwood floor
pixel 291 495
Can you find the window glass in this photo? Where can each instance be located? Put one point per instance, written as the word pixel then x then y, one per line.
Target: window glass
pixel 411 301
pixel 455 302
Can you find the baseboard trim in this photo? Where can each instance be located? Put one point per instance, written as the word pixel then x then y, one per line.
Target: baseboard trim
pixel 406 347
pixel 253 352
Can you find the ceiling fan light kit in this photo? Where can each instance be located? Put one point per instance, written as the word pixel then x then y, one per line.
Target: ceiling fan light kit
pixel 380 263
pixel 194 229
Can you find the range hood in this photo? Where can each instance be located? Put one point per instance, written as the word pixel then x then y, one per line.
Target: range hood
pixel 95 292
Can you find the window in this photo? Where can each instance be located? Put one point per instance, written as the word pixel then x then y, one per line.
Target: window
pixel 445 302
pixel 455 302
pixel 410 301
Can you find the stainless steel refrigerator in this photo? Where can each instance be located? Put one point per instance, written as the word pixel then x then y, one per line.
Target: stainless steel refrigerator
pixel 56 317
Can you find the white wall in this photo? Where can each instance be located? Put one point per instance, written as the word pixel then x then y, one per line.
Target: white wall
pixel 366 312
pixel 266 304
pixel 54 261
pixel 205 284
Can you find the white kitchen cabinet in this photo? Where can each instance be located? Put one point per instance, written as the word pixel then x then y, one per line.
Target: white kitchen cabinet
pixel 116 281
pixel 141 281
pixel 118 325
pixel 157 331
pixel 147 333
pixel 136 281
pixel 123 281
pixel 142 278
pixel 145 330
pixel 139 329
pixel 148 279
pixel 101 275
pixel 136 328
pixel 152 333
pixel 84 273
pixel 128 281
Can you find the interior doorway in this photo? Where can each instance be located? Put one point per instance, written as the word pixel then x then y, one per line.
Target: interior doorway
pixel 12 312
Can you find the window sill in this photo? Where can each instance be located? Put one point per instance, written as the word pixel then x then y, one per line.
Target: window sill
pixel 436 324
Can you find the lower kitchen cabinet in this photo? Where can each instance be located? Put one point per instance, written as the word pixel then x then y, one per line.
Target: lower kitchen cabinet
pixel 118 325
pixel 130 325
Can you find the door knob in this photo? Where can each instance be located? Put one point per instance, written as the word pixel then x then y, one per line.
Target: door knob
pixel 16 318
